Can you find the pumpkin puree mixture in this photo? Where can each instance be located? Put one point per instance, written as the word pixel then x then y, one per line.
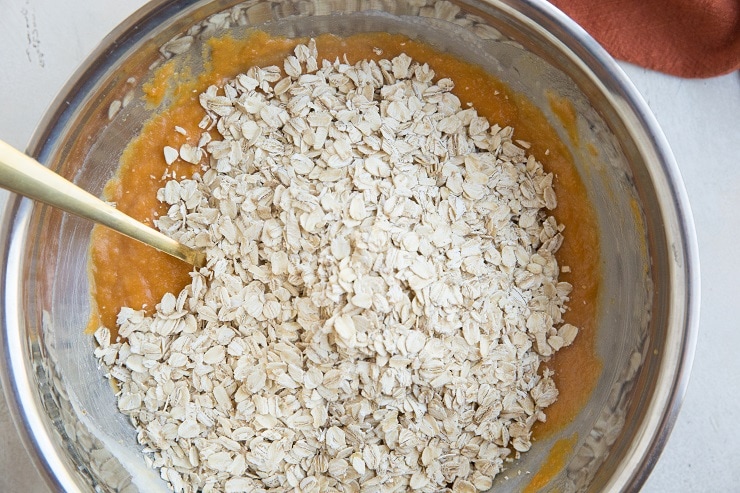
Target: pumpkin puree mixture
pixel 126 273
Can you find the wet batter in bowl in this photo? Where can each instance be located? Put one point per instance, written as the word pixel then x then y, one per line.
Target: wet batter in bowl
pixel 128 275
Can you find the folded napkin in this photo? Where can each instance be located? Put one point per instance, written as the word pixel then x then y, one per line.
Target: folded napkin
pixel 688 38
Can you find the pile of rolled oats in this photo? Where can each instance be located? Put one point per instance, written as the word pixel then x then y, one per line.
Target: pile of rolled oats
pixel 380 291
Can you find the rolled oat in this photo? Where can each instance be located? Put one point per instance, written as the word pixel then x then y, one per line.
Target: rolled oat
pixel 381 289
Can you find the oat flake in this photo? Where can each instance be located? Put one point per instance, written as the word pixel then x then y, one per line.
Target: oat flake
pixel 381 288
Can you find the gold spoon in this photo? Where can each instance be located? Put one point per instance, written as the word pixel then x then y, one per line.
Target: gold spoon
pixel 25 176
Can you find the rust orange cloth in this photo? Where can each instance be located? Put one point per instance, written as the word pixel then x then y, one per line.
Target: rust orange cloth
pixel 688 38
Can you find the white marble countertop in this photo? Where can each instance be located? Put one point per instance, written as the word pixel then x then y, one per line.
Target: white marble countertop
pixel 43 41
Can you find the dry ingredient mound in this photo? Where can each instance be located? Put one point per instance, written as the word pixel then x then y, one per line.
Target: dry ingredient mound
pixel 381 290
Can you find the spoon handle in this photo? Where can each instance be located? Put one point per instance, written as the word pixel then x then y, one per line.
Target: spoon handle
pixel 25 176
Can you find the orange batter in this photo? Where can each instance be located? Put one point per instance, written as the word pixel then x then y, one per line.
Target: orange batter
pixel 555 461
pixel 125 273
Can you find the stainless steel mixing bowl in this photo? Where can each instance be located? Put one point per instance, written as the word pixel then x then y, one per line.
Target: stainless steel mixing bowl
pixel 648 311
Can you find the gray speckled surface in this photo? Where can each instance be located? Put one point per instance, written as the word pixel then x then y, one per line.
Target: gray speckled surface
pixel 43 41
